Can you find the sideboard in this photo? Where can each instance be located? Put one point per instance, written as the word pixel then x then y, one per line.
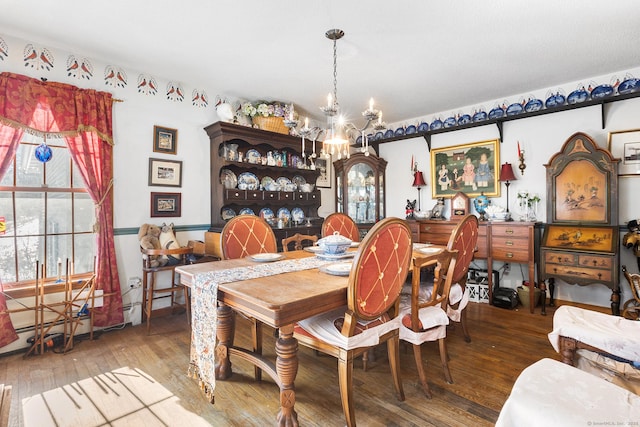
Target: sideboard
pixel 512 241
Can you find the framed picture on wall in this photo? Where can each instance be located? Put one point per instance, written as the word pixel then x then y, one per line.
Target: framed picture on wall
pixel 324 166
pixel 165 173
pixel 625 145
pixel 165 140
pixel 166 204
pixel 469 168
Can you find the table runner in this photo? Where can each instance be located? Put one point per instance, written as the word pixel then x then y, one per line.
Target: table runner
pixel 204 295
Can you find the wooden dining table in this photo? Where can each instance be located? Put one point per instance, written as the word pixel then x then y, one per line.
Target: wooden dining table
pixel 278 300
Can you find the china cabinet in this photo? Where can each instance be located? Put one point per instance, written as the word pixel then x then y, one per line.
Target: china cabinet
pixel 360 182
pixel 262 172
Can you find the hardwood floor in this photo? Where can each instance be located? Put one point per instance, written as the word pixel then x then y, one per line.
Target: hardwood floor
pixel 504 342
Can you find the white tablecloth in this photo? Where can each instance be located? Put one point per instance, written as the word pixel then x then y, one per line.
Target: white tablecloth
pixel 551 393
pixel 613 334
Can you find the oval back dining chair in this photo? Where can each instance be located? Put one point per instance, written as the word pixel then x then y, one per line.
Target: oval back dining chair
pixel 242 236
pixel 343 224
pixel 246 235
pixel 376 278
pixel 464 239
pixel 424 316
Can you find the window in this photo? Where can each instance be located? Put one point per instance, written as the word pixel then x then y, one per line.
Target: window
pixel 48 216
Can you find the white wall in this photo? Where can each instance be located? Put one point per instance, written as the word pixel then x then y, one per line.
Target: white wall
pixel 540 137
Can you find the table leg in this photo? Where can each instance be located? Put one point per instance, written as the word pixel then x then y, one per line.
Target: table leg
pixel 225 331
pixel 287 369
pixel 543 292
pixel 552 289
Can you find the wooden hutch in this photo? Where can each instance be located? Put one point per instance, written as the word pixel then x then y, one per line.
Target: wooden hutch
pixel 228 194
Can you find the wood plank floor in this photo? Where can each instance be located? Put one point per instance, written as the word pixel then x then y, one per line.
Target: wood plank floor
pixel 504 342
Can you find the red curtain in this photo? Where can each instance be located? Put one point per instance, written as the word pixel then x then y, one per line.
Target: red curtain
pixel 84 118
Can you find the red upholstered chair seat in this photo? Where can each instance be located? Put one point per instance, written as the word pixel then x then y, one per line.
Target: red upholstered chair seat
pixel 246 235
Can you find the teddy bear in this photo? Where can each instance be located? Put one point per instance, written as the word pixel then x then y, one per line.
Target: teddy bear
pixel 149 237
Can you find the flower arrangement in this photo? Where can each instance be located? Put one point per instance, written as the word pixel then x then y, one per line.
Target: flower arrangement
pixel 266 109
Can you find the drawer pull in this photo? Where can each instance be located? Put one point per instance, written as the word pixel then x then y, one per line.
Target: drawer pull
pixel 237 194
pixel 509 231
pixel 509 254
pixel 427 228
pixel 508 243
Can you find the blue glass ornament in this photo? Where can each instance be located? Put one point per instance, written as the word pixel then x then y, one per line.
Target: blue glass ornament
pixel 43 153
pixel 481 203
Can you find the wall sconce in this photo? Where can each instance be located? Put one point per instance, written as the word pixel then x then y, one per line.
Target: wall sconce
pixel 506 175
pixel 418 182
pixel 522 166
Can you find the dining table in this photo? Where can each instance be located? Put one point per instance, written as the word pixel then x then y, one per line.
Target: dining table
pixel 276 289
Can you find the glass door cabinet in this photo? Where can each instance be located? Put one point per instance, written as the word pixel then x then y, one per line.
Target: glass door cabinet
pixel 360 188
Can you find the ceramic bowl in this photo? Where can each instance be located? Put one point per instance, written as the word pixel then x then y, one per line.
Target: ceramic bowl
pixel 306 188
pixel 335 244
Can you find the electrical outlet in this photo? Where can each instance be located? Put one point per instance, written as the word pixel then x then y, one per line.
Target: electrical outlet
pixel 507 268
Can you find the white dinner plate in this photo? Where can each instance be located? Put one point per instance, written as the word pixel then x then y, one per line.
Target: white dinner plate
pixel 336 256
pixel 314 249
pixel 266 257
pixel 429 251
pixel 338 269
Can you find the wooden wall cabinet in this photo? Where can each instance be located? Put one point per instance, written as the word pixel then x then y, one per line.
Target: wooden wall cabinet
pixel 360 182
pixel 580 243
pixel 222 135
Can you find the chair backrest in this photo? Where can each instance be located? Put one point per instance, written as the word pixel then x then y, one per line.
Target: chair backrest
pixel 297 239
pixel 246 235
pixel 380 269
pixel 464 239
pixel 343 224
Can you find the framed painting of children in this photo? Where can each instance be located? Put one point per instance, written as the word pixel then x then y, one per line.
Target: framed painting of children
pixel 469 168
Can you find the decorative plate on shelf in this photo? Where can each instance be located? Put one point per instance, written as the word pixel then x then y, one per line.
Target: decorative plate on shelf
pixel 555 100
pixel 299 181
pixel 228 179
pixel 464 119
pixel 387 134
pixel 283 181
pixel 266 180
pixel 436 124
pixel 496 113
pixel 533 105
pixel 411 129
pixel 423 127
pixel 247 211
pixel 450 122
pixel 297 214
pixel 266 214
pixel 250 180
pixel 514 109
pixel 379 136
pixel 254 157
pixel 228 213
pixel 578 95
pixel 601 91
pixel 399 131
pixel 284 214
pixel 629 85
pixel 480 116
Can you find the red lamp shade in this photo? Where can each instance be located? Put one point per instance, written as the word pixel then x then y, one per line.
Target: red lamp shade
pixel 418 179
pixel 506 173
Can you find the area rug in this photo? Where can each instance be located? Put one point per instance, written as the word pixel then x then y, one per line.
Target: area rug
pixel 123 397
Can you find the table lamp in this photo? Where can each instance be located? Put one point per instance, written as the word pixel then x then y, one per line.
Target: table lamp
pixel 506 175
pixel 418 181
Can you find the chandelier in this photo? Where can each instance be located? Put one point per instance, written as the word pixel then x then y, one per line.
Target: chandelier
pixel 337 131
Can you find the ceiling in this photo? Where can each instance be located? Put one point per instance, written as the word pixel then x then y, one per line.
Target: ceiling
pixel 415 58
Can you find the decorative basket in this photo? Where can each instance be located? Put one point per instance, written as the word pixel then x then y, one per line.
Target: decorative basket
pixel 272 124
